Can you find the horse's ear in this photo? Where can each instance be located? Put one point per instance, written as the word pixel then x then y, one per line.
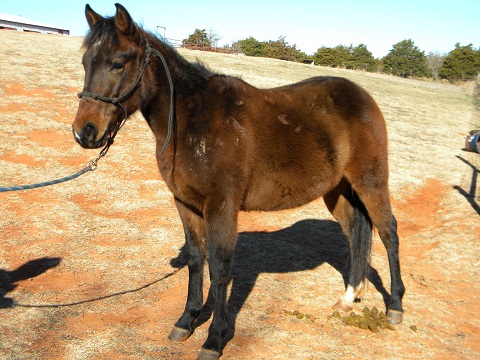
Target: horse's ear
pixel 92 16
pixel 123 20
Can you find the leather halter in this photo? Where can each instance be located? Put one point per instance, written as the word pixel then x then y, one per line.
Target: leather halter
pixel 117 101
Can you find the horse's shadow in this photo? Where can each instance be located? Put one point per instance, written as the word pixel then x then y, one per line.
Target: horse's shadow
pixel 303 246
pixel 30 269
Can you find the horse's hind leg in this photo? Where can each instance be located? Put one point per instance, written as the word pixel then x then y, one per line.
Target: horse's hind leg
pixel 377 201
pixel 194 227
pixel 350 213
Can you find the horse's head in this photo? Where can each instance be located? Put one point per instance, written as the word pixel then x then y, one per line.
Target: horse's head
pixel 112 62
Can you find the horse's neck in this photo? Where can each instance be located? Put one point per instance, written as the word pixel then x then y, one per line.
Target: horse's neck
pixel 186 79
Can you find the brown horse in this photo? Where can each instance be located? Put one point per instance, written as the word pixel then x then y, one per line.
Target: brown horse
pixel 224 146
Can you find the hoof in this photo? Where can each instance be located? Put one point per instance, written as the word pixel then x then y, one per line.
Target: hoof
pixel 394 317
pixel 206 354
pixel 341 306
pixel 179 334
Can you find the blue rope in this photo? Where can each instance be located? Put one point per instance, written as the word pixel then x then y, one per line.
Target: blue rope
pixel 92 165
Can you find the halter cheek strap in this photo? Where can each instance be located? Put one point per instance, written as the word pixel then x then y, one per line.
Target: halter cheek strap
pixel 117 101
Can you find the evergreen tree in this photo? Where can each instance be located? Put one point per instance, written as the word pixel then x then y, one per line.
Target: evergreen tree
pixel 280 49
pixel 252 47
pixel 406 60
pixel 361 59
pixel 324 57
pixel 342 54
pixel 462 63
pixel 199 38
pixel 332 57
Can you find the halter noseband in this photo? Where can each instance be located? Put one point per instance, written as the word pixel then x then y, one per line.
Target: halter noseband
pixel 117 101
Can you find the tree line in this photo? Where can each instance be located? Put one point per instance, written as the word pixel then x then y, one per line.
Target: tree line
pixel 405 59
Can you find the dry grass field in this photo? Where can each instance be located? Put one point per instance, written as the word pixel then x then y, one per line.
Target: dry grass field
pixel 94 269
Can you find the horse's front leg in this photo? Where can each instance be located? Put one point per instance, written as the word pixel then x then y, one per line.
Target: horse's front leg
pixel 221 218
pixel 195 235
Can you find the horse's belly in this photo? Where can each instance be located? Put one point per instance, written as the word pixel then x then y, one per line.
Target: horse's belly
pixel 273 193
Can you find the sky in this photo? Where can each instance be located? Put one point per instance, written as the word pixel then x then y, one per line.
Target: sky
pixel 433 25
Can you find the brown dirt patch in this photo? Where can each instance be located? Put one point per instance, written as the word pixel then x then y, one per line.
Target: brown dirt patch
pixel 92 268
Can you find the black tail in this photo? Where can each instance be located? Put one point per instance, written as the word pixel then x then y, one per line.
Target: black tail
pixel 360 244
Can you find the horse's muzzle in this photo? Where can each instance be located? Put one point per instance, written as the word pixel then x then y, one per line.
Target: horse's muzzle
pixel 86 138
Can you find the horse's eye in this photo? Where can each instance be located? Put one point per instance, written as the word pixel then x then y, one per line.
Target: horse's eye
pixel 117 65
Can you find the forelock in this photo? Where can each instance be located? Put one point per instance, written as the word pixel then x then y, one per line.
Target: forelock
pixel 104 31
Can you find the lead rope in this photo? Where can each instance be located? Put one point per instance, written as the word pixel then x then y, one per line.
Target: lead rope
pixel 92 164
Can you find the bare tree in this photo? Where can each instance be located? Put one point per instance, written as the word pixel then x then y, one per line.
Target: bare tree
pixel 435 61
pixel 213 37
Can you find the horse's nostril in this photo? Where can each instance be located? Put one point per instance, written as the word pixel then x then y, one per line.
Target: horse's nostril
pixel 90 131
